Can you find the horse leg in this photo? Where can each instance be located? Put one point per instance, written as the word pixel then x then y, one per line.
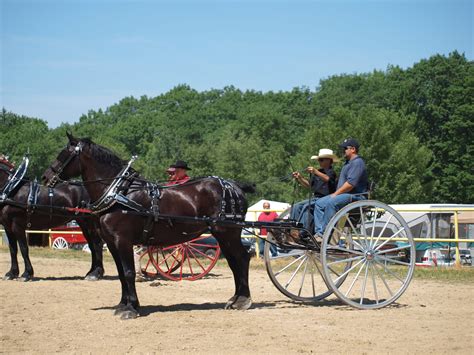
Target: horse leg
pixel 23 243
pixel 125 251
pixel 238 259
pixel 115 255
pixel 123 257
pixel 95 243
pixel 14 268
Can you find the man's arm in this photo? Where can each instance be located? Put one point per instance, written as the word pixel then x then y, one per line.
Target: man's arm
pixel 346 187
pixel 301 180
pixel 316 172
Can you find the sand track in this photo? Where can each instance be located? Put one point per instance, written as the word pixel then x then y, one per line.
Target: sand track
pixel 59 312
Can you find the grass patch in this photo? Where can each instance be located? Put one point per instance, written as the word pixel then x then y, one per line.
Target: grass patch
pixel 449 274
pixel 68 254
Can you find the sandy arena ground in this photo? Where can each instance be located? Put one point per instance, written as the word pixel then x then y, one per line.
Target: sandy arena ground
pixel 59 312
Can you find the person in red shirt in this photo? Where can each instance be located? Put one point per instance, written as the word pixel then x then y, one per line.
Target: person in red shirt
pixel 179 176
pixel 266 216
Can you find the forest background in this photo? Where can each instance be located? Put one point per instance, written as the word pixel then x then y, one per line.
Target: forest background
pixel 415 126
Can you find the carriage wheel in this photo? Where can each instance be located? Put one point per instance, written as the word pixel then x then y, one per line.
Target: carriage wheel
pixel 369 245
pixel 60 243
pixel 296 273
pixel 187 261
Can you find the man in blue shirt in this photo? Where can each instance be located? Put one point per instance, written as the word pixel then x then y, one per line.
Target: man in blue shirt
pixel 352 186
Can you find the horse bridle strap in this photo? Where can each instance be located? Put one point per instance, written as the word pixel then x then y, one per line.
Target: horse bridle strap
pixel 57 171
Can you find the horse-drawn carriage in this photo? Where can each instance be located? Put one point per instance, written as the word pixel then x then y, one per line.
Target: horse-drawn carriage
pixel 365 257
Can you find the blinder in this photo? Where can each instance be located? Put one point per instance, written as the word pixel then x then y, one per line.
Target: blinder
pixel 58 166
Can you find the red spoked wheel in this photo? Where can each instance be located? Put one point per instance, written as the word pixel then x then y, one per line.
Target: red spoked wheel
pixel 146 266
pixel 187 261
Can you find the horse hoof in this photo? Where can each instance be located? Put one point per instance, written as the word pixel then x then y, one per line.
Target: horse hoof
pixel 129 314
pixel 91 278
pixel 119 309
pixel 240 303
pixel 230 302
pixel 94 275
pixel 9 276
pixel 25 278
pixel 126 312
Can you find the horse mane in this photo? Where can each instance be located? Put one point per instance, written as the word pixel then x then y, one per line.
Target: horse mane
pixel 103 154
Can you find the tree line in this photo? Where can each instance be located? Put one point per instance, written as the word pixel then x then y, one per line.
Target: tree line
pixel 415 127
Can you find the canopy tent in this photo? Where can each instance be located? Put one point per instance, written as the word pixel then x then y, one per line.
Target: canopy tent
pixel 254 211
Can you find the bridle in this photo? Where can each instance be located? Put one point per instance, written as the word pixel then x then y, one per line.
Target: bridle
pixel 58 166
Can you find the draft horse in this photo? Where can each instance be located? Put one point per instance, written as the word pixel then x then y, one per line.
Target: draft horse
pixel 172 221
pixel 17 214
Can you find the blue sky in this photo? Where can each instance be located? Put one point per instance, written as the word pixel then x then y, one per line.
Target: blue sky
pixel 61 58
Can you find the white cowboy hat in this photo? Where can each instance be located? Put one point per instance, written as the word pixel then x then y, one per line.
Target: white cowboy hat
pixel 325 153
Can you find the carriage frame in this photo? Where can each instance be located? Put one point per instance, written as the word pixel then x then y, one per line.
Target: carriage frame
pixel 366 256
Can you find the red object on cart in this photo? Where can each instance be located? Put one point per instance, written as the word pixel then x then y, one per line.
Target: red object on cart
pixel 66 239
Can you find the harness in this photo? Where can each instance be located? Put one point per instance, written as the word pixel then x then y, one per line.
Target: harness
pixel 229 197
pixel 113 193
pixel 232 206
pixel 14 180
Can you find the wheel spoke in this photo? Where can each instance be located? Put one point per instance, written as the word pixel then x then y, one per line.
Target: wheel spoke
pixel 355 258
pixel 200 252
pixel 197 260
pixel 290 264
pixel 373 229
pixel 330 268
pixel 188 258
pixel 348 270
pixel 383 230
pixel 303 277
pixel 395 261
pixel 295 272
pixel 354 280
pixel 383 280
pixel 385 251
pixel 173 257
pixel 352 226
pixel 313 286
pixel 388 271
pixel 374 284
pixel 351 251
pixel 364 284
pixel 390 238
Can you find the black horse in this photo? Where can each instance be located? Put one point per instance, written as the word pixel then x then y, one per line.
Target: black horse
pixel 122 226
pixel 16 215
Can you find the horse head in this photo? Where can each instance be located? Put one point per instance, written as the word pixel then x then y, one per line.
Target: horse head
pixel 67 163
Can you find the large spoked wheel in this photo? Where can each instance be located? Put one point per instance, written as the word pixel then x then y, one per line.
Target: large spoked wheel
pixel 187 261
pixel 296 273
pixel 369 247
pixel 60 243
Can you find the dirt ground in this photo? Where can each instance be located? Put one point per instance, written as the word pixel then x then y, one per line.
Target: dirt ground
pixel 59 312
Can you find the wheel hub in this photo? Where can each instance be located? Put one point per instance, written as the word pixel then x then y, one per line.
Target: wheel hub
pixel 369 255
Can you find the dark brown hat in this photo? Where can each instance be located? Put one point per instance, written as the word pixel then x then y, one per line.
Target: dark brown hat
pixel 181 165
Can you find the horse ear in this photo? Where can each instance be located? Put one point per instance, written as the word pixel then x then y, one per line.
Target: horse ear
pixel 70 136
